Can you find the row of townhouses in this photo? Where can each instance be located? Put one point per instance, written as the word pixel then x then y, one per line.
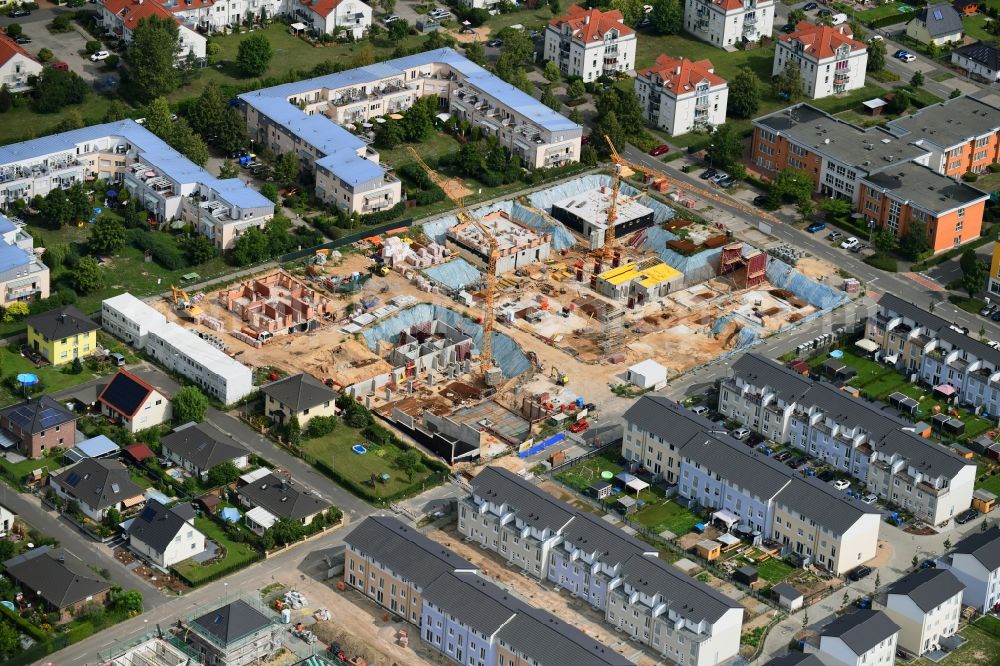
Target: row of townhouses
pixel 864 439
pixel 812 522
pixel 920 343
pixel 170 186
pixel 895 175
pixel 197 17
pixel 459 613
pixel 305 118
pixel 176 348
pixel 642 596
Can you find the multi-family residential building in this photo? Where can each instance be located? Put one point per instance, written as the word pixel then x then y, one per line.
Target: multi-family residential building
pixel 813 522
pixel 23 277
pixel 862 638
pixel 62 335
pixel 679 95
pixel 168 185
pixel 459 613
pixel 729 22
pixel 639 594
pixel 305 118
pixel 176 348
pixel 590 43
pixel 981 61
pixel 829 59
pixel 898 196
pixel 919 342
pixel 16 65
pixel 927 605
pixel 993 281
pixel 975 561
pixel 121 17
pixel 353 17
pixel 855 436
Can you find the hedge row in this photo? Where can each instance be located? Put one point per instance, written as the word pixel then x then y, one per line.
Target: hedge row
pixel 891 19
pixel 987 236
pixel 221 573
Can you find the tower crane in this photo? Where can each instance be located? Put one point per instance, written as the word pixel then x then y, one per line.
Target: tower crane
pixel 489 295
pixel 607 250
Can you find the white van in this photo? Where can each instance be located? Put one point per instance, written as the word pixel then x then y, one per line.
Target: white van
pixel 837 19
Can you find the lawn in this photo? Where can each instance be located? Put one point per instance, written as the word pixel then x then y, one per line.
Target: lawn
pixel 989 182
pixel 982 646
pixel 52 378
pixel 991 484
pixel 667 515
pixel 888 9
pixel 237 554
pixel 22 123
pixel 774 570
pixel 580 477
pixel 334 451
pixel 975 27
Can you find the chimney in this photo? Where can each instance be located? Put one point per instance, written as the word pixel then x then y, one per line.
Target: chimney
pixel 678 72
pixel 586 19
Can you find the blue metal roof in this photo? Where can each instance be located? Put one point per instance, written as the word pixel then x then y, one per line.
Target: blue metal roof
pixel 95 447
pixel 11 257
pixel 6 226
pixel 238 193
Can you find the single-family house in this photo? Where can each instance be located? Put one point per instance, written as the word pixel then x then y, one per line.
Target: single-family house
pixel 272 498
pixel 235 635
pixel 975 561
pixel 36 426
pixel 7 518
pixel 302 396
pixel 862 638
pixel 165 536
pixel 62 335
pixel 16 65
pixel 97 486
pixel 981 61
pixel 936 24
pixel 133 403
pixel 198 447
pixel 927 605
pixel 58 579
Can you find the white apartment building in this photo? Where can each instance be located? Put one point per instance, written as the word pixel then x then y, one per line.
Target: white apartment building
pixel 975 561
pixel 729 22
pixel 830 60
pixel 120 17
pixel 304 117
pixel 327 16
pixel 170 186
pixel 176 348
pixel 856 436
pixel 23 277
pixel 814 523
pixel 640 595
pixel 679 95
pixel 16 65
pixel 862 638
pixel 927 605
pixel 590 43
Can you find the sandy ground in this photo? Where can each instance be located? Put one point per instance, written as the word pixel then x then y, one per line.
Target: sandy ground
pixel 482 35
pixel 541 595
pixel 816 268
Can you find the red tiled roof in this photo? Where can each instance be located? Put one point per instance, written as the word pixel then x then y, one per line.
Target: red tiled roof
pixel 131 12
pixel 822 41
pixel 139 452
pixel 730 5
pixel 322 7
pixel 183 5
pixel 9 48
pixel 590 25
pixel 680 75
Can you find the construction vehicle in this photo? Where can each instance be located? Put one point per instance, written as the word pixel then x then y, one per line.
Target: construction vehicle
pixel 561 378
pixel 183 303
pixel 487 369
pixel 380 270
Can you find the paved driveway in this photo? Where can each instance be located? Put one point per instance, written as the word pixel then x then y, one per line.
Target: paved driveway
pixel 70 47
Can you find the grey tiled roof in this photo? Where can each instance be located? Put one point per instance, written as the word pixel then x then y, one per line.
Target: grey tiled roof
pixel 156 525
pixel 984 546
pixel 761 371
pixel 796 659
pixel 536 508
pixel 299 392
pixel 232 622
pixel 55 575
pixel 666 419
pixel 747 467
pixel 98 483
pixel 940 20
pixel 405 550
pixel 203 445
pixel 593 535
pixel 684 595
pixel 823 503
pixel 282 498
pixel 928 588
pixel 861 630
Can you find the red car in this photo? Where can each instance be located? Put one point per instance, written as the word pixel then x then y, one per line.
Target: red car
pixel 661 149
pixel 579 426
pixel 59 64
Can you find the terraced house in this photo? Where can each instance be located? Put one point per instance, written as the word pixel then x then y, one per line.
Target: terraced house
pixel 860 438
pixel 641 595
pixel 814 523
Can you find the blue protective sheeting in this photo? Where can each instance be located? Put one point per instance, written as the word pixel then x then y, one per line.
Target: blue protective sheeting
pixel 456 274
pixel 822 296
pixel 554 439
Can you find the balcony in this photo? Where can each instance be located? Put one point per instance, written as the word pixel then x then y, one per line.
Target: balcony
pixel 841 78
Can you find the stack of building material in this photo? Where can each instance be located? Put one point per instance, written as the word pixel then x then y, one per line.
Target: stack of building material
pixel 400 255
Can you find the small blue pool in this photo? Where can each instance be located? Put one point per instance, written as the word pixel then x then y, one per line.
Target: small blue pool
pixel 359 449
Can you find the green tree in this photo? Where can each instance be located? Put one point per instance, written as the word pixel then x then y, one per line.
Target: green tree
pixel 112 517
pixel 515 54
pixel 199 249
pixel 917 80
pixel 250 248
pixel 387 5
pixel 107 236
pixel 631 10
pixel 900 101
pixel 835 209
pixel 158 118
pixel 470 158
pixel 46 55
pixel 575 116
pixel 608 126
pixel 796 15
pixel 222 474
pixel 14 30
pixel 954 93
pixel 744 93
pixel 126 601
pixel 409 462
pixel 151 58
pixel 947 542
pixel 398 30
pixel 6 99
pixel 56 89
pixel 133 216
pixel 364 57
pixel 187 143
pixel 228 169
pixel 915 561
pixel 293 431
pixel 576 90
pixel 79 201
pixel 858 30
pixel 189 404
pixel 389 134
pixel 254 55
pixel 974 272
pixel 87 277
pixel 287 531
pixel 205 115
pixel 475 52
pixel 727 147
pixel 418 120
pixel 71 121
pixel 876 56
pixel 319 426
pixel 76 367
pixel 667 17
pixel 789 84
pixel 56 209
pixel 550 99
pixel 884 241
pixel 117 110
pixel 286 168
pixel 270 190
pixel 10 641
pixel 552 73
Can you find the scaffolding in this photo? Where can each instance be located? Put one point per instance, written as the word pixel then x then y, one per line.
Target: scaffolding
pixel 749 262
pixel 612 322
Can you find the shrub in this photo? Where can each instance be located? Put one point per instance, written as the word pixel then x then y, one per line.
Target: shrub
pixel 970 176
pixel 883 262
pixel 163 247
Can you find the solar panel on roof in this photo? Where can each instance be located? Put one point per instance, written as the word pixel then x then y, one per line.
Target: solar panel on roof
pixel 147 514
pixel 937 14
pixel 73 478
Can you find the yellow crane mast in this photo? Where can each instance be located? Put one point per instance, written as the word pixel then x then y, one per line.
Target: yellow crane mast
pixel 489 295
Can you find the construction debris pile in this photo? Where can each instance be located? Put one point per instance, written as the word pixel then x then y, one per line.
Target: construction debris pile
pixel 399 255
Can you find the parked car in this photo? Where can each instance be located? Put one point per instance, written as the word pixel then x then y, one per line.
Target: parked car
pixel 99 56
pixel 876 38
pixel 795 463
pixel 825 12
pixel 839 19
pixel 869 499
pixel 809 6
pixel 708 173
pixel 60 65
pixel 22 39
pixel 783 456
pixel 834 235
pixel 904 55
pixel 727 182
pixel 788 28
pixel 18 13
pixel 988 309
pixel 719 177
pixel 661 149
pixel 928 564
pixel 816 226
pixel 995 316
pixel 389 19
pixel 741 433
pixel 760 200
pixel 857 248
pixel 700 410
pixel 579 426
pixel 966 516
pixel 841 484
pixel 850 243
pixel 495 43
pixel 858 573
pixel 826 475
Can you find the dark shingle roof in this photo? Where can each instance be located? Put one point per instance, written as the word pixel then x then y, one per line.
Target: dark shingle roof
pixel 762 371
pixel 823 503
pixel 928 588
pixel 60 583
pixel 61 323
pixel 299 392
pixel 668 420
pixel 38 414
pixel 787 591
pixel 861 630
pixel 940 20
pixel 232 622
pixel 125 393
pixel 539 509
pixel 685 595
pixel 98 483
pixel 984 546
pixel 796 659
pixel 404 550
pixel 156 525
pixel 282 499
pixel 986 55
pixel 747 467
pixel 203 445
pixel 592 535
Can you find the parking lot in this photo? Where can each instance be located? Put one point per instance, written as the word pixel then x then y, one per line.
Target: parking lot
pixel 70 47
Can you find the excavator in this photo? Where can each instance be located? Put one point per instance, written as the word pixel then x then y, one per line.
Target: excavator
pixel 183 304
